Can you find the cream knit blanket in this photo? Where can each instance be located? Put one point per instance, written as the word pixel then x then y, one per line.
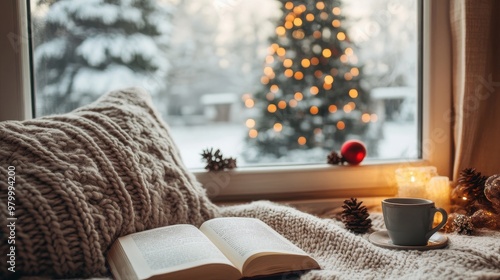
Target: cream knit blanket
pixel 344 255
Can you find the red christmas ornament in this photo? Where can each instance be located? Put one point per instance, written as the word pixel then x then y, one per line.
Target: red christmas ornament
pixel 353 151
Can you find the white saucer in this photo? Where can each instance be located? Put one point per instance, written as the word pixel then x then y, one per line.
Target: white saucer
pixel 382 239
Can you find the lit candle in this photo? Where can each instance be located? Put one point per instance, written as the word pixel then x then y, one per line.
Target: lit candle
pixel 412 181
pixel 438 190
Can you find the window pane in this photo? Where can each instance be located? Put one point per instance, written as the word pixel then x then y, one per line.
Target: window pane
pixel 266 81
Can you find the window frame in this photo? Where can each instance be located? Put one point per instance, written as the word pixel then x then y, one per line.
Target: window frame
pixel 298 182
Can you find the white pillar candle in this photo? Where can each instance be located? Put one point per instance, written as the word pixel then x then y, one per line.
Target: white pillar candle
pixel 438 190
pixel 412 181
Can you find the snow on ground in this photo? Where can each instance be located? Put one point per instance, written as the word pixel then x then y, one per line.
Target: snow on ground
pixel 399 141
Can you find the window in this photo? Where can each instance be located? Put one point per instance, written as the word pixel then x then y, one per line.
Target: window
pixel 269 81
pixel 316 180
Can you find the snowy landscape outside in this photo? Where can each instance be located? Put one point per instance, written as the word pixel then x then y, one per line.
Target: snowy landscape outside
pixel 201 60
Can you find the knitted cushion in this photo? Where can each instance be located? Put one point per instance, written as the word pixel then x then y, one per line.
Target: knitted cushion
pixel 85 178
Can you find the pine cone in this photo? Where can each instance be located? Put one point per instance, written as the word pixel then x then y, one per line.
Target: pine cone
pixel 463 225
pixel 471 178
pixel 355 217
pixel 334 158
pixel 471 186
pixel 230 163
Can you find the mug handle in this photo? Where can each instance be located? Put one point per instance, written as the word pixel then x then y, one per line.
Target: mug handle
pixel 438 227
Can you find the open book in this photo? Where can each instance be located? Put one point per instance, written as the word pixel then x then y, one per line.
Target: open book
pixel 223 248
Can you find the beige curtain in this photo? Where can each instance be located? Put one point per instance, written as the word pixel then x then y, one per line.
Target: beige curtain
pixel 475 29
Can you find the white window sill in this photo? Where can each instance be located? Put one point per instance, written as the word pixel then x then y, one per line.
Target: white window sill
pixel 302 182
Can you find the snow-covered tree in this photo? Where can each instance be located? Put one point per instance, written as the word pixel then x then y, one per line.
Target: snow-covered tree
pixel 93 46
pixel 216 48
pixel 386 33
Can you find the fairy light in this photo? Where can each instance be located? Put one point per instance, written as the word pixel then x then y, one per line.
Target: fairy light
pixel 305 63
pixel 332 108
pixel 298 34
pixel 297 10
pixel 278 127
pixel 280 30
pixel 314 61
pixel 268 71
pixel 298 75
pixel 298 96
pixel 340 125
pixel 249 103
pixel 343 58
pixel 349 51
pixel 302 140
pixel 297 22
pixel 320 5
pixel 328 79
pixel 289 25
pixel 326 53
pixel 293 103
pixel 269 59
pixel 274 88
pixel 282 104
pixel 314 110
pixel 289 5
pixel 288 63
pixel 271 108
pixel 281 52
pixel 314 90
pixel 336 23
pixel 365 118
pixel 355 71
pixel 250 123
pixel 288 73
pixel 353 93
pixel 309 17
pixel 336 11
pixel 270 96
pixel 341 36
pixel 253 133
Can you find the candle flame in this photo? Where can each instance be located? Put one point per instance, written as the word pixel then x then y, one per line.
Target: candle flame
pixel 464 198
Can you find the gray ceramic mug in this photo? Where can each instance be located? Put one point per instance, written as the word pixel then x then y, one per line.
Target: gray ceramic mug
pixel 409 220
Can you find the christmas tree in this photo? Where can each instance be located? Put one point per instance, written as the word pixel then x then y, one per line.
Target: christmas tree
pixel 311 94
pixel 91 47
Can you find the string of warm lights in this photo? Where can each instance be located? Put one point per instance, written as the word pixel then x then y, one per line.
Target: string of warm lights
pixel 298 74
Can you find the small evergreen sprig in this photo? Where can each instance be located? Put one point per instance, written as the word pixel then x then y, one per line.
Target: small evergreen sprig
pixel 216 161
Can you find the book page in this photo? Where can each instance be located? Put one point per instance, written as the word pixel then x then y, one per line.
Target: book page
pixel 170 248
pixel 240 238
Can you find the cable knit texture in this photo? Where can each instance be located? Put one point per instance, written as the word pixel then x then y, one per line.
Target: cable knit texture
pixel 85 178
pixel 344 255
